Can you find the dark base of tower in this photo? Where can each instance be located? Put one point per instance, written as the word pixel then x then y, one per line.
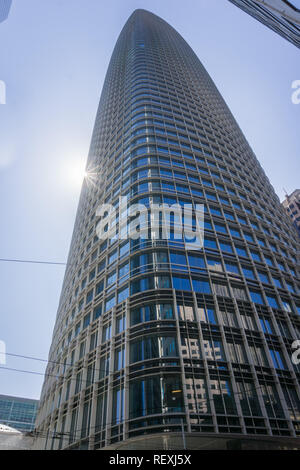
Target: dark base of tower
pixel 175 441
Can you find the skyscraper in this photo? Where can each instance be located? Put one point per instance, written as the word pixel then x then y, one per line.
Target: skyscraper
pixel 292 206
pixel 152 337
pixel 282 16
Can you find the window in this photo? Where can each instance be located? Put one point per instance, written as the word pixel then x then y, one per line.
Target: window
pixel 235 233
pixel 185 312
pixel 181 283
pixel 99 287
pixel 272 301
pixel 277 282
pixel 286 306
pixel 123 294
pixel 196 261
pixel 223 397
pixel 214 264
pixel 106 333
pixel 272 401
pixel 248 237
pixel 89 296
pixel 277 359
pixel 214 350
pixel 269 261
pixel 220 228
pixel 220 289
pixel 226 247
pixel 104 367
pixel 111 278
pixel 77 329
pixel 248 273
pixel 97 312
pixel 111 302
pixel 256 297
pixel 124 270
pixel 124 249
pixel 292 400
pixel 154 395
pixel 86 320
pixel 266 325
pixel 241 251
pixel 290 287
pixel 229 318
pixel 207 315
pixel 120 324
pixel 119 358
pixel 237 352
pixel 232 268
pixel 248 399
pixel 153 346
pixel 263 277
pixel 255 256
pixel 118 406
pixel 201 286
pixel 151 312
pixel 258 355
pixel 239 293
pixel 209 243
pixel 178 258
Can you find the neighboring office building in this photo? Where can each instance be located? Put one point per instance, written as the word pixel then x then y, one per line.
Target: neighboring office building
pixel 4 9
pixel 292 206
pixel 19 413
pixel 150 334
pixel 282 16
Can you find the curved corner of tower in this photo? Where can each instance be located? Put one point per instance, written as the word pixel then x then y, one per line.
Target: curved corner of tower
pixel 141 11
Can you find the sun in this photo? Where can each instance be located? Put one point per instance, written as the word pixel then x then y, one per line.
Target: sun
pixel 76 174
pixel 72 173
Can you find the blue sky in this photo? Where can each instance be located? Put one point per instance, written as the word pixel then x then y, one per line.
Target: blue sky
pixel 53 58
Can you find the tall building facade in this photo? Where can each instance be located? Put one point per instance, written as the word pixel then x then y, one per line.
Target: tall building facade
pixel 5 6
pixel 292 206
pixel 153 338
pixel 282 16
pixel 18 413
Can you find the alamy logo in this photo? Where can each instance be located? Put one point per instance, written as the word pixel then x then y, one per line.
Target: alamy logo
pixel 152 221
pixel 2 352
pixel 296 93
pixel 2 92
pixel 296 354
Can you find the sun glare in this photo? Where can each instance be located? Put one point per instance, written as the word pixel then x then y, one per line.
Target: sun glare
pixel 74 173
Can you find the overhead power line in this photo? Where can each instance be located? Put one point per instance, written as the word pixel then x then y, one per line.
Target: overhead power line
pixel 31 261
pixel 96 382
pixel 48 361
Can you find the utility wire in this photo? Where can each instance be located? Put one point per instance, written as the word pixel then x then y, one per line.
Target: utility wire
pixel 72 435
pixel 30 261
pixel 76 434
pixel 102 426
pixel 48 361
pixel 243 394
pixel 50 375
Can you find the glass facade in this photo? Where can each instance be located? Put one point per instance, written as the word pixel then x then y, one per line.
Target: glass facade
pixel 282 16
pixel 18 413
pixel 151 335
